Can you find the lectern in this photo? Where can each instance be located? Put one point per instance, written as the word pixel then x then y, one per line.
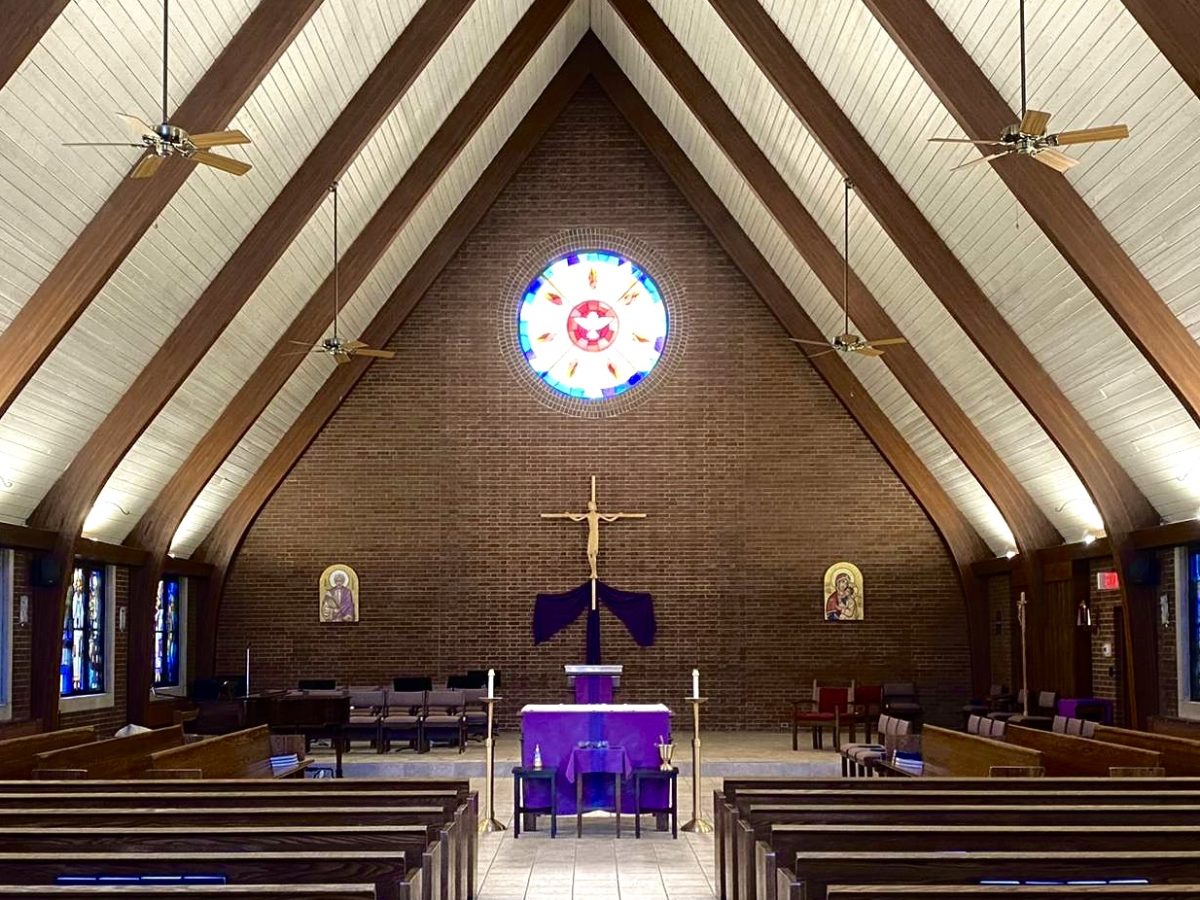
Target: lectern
pixel 593 684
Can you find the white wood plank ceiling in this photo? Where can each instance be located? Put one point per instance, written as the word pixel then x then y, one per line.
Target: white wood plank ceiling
pixel 1090 63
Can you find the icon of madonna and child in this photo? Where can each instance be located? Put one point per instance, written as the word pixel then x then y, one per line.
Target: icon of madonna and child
pixel 843 593
pixel 339 594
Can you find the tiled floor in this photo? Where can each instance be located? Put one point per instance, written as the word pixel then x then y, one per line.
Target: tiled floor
pixel 598 866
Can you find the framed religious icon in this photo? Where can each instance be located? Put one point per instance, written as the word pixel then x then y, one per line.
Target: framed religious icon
pixel 339 594
pixel 843 593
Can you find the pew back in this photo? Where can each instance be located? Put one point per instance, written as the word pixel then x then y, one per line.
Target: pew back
pixel 1180 756
pixel 18 756
pixel 242 753
pixel 1064 754
pixel 953 753
pixel 123 757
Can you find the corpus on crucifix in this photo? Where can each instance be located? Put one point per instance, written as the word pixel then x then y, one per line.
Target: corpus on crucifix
pixel 593 517
pixel 554 612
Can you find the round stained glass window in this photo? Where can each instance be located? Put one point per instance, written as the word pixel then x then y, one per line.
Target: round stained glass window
pixel 592 325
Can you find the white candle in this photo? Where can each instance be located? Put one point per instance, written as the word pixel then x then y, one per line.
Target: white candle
pixel 696 683
pixel 247 671
pixel 491 683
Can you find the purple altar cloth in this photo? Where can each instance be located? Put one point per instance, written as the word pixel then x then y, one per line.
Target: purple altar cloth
pixel 1071 707
pixel 559 728
pixel 585 760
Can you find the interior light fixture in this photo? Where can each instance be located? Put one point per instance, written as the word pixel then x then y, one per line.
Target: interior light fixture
pixel 1088 539
pixel 1010 553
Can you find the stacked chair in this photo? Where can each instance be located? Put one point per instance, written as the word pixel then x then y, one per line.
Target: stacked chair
pixel 1041 712
pixel 987 727
pixel 1074 727
pixel 857 759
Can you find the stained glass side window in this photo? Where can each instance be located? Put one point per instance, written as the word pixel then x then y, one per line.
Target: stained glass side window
pixel 83 645
pixel 1193 625
pixel 166 634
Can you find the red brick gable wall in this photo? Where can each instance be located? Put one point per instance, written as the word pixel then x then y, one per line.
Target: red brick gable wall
pixel 430 478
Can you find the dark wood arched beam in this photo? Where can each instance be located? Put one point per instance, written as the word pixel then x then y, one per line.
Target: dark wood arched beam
pixel 25 21
pixel 155 530
pixel 825 260
pixel 1048 197
pixel 931 258
pixel 131 209
pixel 222 542
pixel 1099 261
pixel 964 544
pixel 66 505
pixel 1174 26
pixel 961 540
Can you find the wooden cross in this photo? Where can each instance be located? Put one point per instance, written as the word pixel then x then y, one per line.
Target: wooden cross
pixel 593 518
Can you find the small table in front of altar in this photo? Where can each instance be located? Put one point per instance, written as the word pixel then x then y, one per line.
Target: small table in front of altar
pixel 598 761
pixel 559 729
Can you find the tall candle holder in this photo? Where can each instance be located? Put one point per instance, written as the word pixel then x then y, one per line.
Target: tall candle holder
pixel 698 823
pixel 489 823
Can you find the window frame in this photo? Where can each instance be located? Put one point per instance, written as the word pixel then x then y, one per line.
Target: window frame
pixel 7 589
pixel 166 692
pixel 106 698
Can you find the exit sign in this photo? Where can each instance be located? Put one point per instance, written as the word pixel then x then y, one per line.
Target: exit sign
pixel 1107 581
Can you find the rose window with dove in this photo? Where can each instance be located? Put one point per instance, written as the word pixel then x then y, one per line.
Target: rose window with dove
pixel 592 324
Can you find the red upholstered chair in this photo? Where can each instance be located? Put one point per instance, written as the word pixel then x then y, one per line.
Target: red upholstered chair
pixel 865 707
pixel 827 709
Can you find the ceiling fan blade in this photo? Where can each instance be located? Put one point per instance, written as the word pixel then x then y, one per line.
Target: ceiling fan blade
pixel 136 124
pixel 224 163
pixel 1055 160
pixel 101 144
pixel 1035 122
pixel 341 358
pixel 868 351
pixel 965 141
pixel 377 354
pixel 354 345
pixel 982 159
pixel 822 353
pixel 887 342
pixel 300 343
pixel 1087 135
pixel 147 167
pixel 814 343
pixel 219 139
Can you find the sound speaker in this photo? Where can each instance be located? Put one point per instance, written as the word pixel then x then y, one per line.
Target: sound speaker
pixel 1144 569
pixel 44 571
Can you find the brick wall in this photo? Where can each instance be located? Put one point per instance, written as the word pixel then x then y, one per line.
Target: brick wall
pixel 1168 685
pixel 1000 623
pixel 430 478
pixel 22 640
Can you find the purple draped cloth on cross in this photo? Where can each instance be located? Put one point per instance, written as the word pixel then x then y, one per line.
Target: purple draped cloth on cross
pixel 554 612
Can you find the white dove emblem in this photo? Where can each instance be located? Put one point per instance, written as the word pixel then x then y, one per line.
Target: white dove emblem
pixel 592 323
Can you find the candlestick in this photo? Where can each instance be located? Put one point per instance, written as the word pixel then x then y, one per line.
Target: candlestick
pixel 698 823
pixel 491 684
pixel 489 822
pixel 695 682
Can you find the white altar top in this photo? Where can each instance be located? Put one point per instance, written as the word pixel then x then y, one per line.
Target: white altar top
pixel 593 670
pixel 594 707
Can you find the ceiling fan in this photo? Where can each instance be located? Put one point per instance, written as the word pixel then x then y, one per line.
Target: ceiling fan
pixel 162 141
pixel 334 346
pixel 847 342
pixel 1028 137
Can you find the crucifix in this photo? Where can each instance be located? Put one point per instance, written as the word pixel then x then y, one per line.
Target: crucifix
pixel 593 517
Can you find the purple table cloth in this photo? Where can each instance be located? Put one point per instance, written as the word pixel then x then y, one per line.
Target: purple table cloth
pixel 585 760
pixel 558 729
pixel 1069 707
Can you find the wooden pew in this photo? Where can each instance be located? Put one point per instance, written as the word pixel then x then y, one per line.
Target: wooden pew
pixel 1180 756
pixel 1172 725
pixel 123 757
pixel 240 754
pixel 788 840
pixel 341 785
pixel 192 892
pixel 956 754
pixel 219 799
pixel 1064 754
pixel 384 870
pixel 811 873
pixel 1009 891
pixel 18 756
pixel 135 816
pixel 854 793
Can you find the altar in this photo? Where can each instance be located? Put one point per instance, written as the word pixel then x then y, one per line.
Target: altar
pixel 560 729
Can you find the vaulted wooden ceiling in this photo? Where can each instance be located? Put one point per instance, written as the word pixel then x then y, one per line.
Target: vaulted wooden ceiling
pixel 1052 386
